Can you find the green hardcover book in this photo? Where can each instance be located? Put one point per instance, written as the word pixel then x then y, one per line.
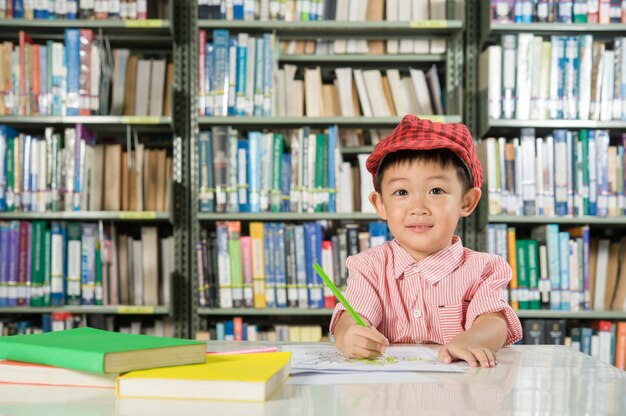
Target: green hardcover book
pixel 99 351
pixel 533 274
pixel 277 174
pixel 37 274
pixel 10 174
pixel 521 248
pixel 321 172
pixel 74 231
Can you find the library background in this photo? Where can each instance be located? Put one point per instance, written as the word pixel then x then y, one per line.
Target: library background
pixel 175 168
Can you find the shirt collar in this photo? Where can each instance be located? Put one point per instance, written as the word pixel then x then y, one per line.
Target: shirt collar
pixel 434 267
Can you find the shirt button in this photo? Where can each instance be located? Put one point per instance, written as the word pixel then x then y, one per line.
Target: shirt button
pixel 417 313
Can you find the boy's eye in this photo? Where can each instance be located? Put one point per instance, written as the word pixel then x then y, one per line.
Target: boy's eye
pixel 437 191
pixel 400 192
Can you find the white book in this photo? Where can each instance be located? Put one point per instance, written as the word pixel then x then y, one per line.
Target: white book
pixel 548 167
pixel 539 176
pixel 535 76
pixel 494 191
pixel 142 87
pixel 556 77
pixel 42 179
pixel 414 107
pixel 542 104
pixel 157 87
pixel 438 12
pixel 250 72
pixel 584 76
pixel 391 14
pixel 404 15
pixel 95 73
pixel 618 49
pixel 366 107
pixel 434 86
pixel 293 98
pixel 341 15
pixel 420 12
pixel 367 187
pixel 344 89
pixel 281 95
pixel 344 189
pixel 570 79
pixel 524 75
pixel 490 79
pixel 313 92
pixel 421 91
pixel 509 60
pixel 606 100
pixel 398 92
pixel 357 12
pixel 622 82
pixel 374 85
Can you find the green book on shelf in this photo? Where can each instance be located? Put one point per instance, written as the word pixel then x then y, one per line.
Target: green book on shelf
pixel 100 351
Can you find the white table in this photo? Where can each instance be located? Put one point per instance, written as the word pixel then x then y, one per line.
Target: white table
pixel 529 380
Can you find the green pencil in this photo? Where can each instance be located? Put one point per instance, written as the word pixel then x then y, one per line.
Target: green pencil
pixel 338 294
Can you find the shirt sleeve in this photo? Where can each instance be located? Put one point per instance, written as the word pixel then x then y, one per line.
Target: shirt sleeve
pixel 361 293
pixel 489 297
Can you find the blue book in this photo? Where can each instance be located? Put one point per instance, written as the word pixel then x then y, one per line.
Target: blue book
pixel 332 180
pixel 88 264
pixel 269 243
pixel 18 9
pixel 72 59
pixel 301 273
pixel 564 251
pixel 378 233
pixel 280 265
pixel 242 175
pixel 585 340
pixel 72 11
pixel 221 44
pixel 286 183
pixel 229 331
pixel 564 11
pixel 232 76
pixel 238 9
pixel 254 171
pixel 242 56
pixel 560 171
pixel 593 173
pixel 313 254
pixel 268 72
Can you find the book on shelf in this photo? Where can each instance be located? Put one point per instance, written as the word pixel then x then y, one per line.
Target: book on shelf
pixel 99 351
pixel 15 372
pixel 98 10
pixel 247 377
pixel 604 12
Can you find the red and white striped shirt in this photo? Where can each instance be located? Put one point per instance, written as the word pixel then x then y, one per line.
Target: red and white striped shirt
pixel 429 301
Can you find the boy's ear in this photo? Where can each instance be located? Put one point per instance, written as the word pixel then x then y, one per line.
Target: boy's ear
pixel 470 201
pixel 377 202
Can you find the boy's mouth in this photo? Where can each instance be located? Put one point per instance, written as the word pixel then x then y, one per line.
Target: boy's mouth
pixel 419 228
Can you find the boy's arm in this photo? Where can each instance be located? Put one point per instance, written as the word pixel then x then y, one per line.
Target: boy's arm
pixel 478 344
pixel 355 341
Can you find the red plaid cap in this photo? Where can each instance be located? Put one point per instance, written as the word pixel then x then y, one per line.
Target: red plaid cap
pixel 415 134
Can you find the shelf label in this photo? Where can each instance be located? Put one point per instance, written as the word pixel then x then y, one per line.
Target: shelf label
pixel 428 24
pixel 141 119
pixel 147 23
pixel 137 215
pixel 135 310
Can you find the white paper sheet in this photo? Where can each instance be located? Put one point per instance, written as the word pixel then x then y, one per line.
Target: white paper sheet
pixel 378 377
pixel 326 358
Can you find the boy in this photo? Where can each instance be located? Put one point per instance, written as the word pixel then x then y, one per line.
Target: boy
pixel 424 286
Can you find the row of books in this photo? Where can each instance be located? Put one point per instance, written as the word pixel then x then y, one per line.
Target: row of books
pixel 81 9
pixel 239 330
pixel 529 77
pixel 236 74
pixel 562 268
pixel 60 321
pixel 272 266
pixel 570 11
pixel 604 340
pixel 81 77
pixel 566 173
pixel 56 263
pixel 69 171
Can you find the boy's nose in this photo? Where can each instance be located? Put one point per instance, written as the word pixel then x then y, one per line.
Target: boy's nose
pixel 418 207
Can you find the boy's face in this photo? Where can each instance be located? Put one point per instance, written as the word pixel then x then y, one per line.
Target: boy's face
pixel 422 203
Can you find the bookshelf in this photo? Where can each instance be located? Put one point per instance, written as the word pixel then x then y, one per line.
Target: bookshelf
pixel 485 126
pixel 450 64
pixel 154 37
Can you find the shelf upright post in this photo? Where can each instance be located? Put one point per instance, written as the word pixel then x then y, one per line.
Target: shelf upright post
pixel 182 19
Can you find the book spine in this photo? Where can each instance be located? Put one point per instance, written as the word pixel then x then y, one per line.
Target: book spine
pixel 72 57
pixel 88 264
pixel 242 59
pixel 73 279
pixel 269 242
pixel 223 266
pixel 38 263
pixel 15 259
pixel 277 152
pixel 206 191
pixel 313 254
pixel 242 176
pixel 258 264
pixel 246 264
pixel 280 265
pixel 236 271
pixel 564 263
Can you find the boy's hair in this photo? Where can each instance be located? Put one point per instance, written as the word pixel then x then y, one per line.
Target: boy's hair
pixel 441 157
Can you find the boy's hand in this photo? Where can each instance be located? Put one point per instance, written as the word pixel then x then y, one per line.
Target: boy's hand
pixel 355 341
pixel 475 354
pixel 363 342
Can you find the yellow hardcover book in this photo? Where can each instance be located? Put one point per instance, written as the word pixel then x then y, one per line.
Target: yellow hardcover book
pixel 258 264
pixel 240 377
